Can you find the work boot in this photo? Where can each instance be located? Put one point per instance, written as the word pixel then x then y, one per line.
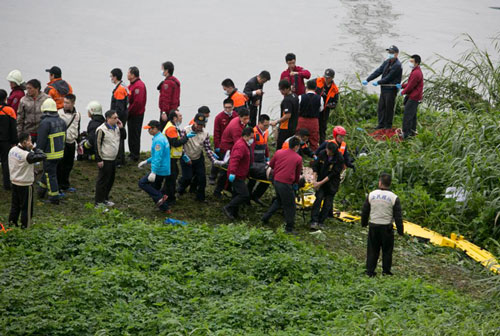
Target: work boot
pixel 314 226
pixel 228 213
pixel 387 273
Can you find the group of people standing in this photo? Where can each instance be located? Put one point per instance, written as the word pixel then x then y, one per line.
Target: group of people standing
pixel 44 126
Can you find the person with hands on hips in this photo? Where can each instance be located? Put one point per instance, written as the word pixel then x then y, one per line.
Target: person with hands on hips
pixel 160 166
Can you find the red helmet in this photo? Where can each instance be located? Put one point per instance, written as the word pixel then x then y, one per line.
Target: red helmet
pixel 338 130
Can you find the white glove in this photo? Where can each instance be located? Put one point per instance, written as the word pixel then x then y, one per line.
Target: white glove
pixel 151 177
pixel 142 163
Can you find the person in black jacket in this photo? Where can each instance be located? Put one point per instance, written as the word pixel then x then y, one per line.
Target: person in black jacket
pixel 327 169
pixel 391 73
pixel 86 148
pixel 8 136
pixel 253 90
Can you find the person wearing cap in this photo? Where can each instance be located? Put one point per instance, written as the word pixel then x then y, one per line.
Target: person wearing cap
pixel 51 140
pixel 119 103
pixel 170 92
pixel 94 112
pixel 253 90
pixel 108 137
pixel 193 162
pixel 29 111
pixel 72 119
pixel 17 87
pixel 57 88
pixel 310 108
pixel 390 72
pixel 295 75
pixel 136 109
pixel 8 136
pixel 329 91
pixel 160 166
pixel 289 113
pixel 339 134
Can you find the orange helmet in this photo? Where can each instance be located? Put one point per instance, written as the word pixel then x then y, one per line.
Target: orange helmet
pixel 338 130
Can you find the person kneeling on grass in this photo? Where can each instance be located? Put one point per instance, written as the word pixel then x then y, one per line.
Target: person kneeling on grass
pixel 160 166
pixel 22 176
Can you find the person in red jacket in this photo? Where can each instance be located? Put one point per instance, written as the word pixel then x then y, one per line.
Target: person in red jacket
pixel 287 165
pixel 17 87
pixel 170 92
pixel 136 109
pixel 295 75
pixel 237 172
pixel 413 89
pixel 231 134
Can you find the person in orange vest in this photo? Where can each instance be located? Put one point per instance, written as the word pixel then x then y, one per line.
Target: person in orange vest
pixel 203 110
pixel 260 152
pixel 119 103
pixel 289 113
pixel 57 88
pixel 8 136
pixel 339 133
pixel 329 91
pixel 304 149
pixel 239 99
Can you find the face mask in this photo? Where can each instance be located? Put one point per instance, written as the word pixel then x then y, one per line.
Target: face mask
pixel 390 56
pixel 412 65
pixel 250 142
pixel 163 73
pixel 227 94
pixel 178 124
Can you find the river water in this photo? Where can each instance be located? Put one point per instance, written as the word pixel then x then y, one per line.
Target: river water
pixel 212 40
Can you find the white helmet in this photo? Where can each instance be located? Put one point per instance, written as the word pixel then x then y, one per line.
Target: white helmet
pixel 15 77
pixel 49 105
pixel 94 107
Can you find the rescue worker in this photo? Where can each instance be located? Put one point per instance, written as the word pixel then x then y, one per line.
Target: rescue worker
pixel 94 112
pixel 8 136
pixel 287 165
pixel 310 108
pixel 380 209
pixel 17 87
pixel 22 175
pixel 136 109
pixel 72 119
pixel 289 113
pixel 413 89
pixel 327 169
pixel 119 102
pixel 193 170
pixel 237 172
pixel 239 99
pixel 230 136
pixel 29 111
pixel 176 141
pixel 57 88
pixel 170 92
pixel 203 110
pixel 260 152
pixel 295 75
pixel 339 134
pixel 108 137
pixel 254 91
pixel 160 166
pixel 51 140
pixel 329 91
pixel 303 135
pixel 220 123
pixel 391 73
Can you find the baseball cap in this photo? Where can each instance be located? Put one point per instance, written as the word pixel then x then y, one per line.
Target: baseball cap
pixel 55 70
pixel 329 73
pixel 393 48
pixel 151 124
pixel 200 119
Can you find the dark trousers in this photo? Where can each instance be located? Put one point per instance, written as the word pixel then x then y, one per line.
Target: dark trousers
pixel 22 203
pixel 134 136
pixel 256 192
pixel 120 158
pixel 213 172
pixel 385 110
pixel 154 189
pixel 65 166
pixel 105 180
pixel 48 181
pixel 171 181
pixel 324 116
pixel 254 110
pixel 410 118
pixel 240 196
pixel 194 174
pixel 285 199
pixel 379 237
pixel 320 213
pixel 4 157
pixel 282 136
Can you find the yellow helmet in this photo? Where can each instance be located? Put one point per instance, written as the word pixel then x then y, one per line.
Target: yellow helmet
pixel 49 105
pixel 15 77
pixel 94 107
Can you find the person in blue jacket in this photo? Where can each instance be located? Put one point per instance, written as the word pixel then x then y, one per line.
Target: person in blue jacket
pixel 160 166
pixel 391 73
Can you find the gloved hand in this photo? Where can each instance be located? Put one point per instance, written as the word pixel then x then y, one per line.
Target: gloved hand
pixel 186 158
pixel 190 135
pixel 217 150
pixel 398 86
pixel 295 186
pixel 268 159
pixel 215 156
pixel 151 177
pixel 365 83
pixel 315 157
pixel 231 178
pixel 375 83
pixel 142 163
